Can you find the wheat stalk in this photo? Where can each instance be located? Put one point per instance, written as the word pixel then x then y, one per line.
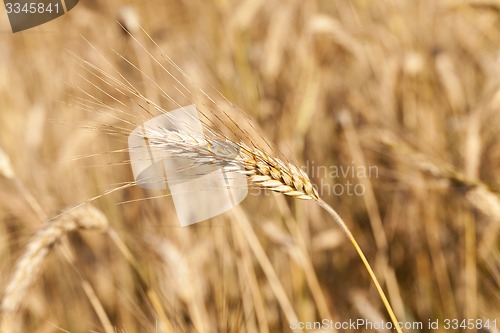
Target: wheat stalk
pixel 30 264
pixel 262 169
pixel 273 174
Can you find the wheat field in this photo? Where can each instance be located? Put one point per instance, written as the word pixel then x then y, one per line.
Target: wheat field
pixel 391 107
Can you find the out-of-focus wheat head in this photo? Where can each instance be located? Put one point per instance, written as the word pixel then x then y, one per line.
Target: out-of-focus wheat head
pixel 29 265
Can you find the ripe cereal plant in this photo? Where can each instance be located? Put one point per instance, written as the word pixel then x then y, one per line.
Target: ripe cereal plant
pixel 263 170
pixel 410 88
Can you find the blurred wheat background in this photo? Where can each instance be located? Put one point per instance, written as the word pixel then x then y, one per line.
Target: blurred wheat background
pixel 409 87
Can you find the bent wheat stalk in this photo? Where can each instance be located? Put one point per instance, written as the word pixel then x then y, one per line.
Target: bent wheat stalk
pixel 273 174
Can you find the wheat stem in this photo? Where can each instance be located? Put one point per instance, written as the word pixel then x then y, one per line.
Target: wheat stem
pixel 274 174
pixel 336 217
pixel 151 294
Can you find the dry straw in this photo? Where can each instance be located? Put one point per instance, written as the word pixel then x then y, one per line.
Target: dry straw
pixel 264 170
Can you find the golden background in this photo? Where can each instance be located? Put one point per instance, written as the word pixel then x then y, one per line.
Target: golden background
pixel 410 87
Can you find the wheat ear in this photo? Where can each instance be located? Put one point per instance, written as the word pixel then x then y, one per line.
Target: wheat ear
pixel 262 169
pixel 29 266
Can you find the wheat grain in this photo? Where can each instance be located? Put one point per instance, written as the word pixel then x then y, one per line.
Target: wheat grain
pixel 274 174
